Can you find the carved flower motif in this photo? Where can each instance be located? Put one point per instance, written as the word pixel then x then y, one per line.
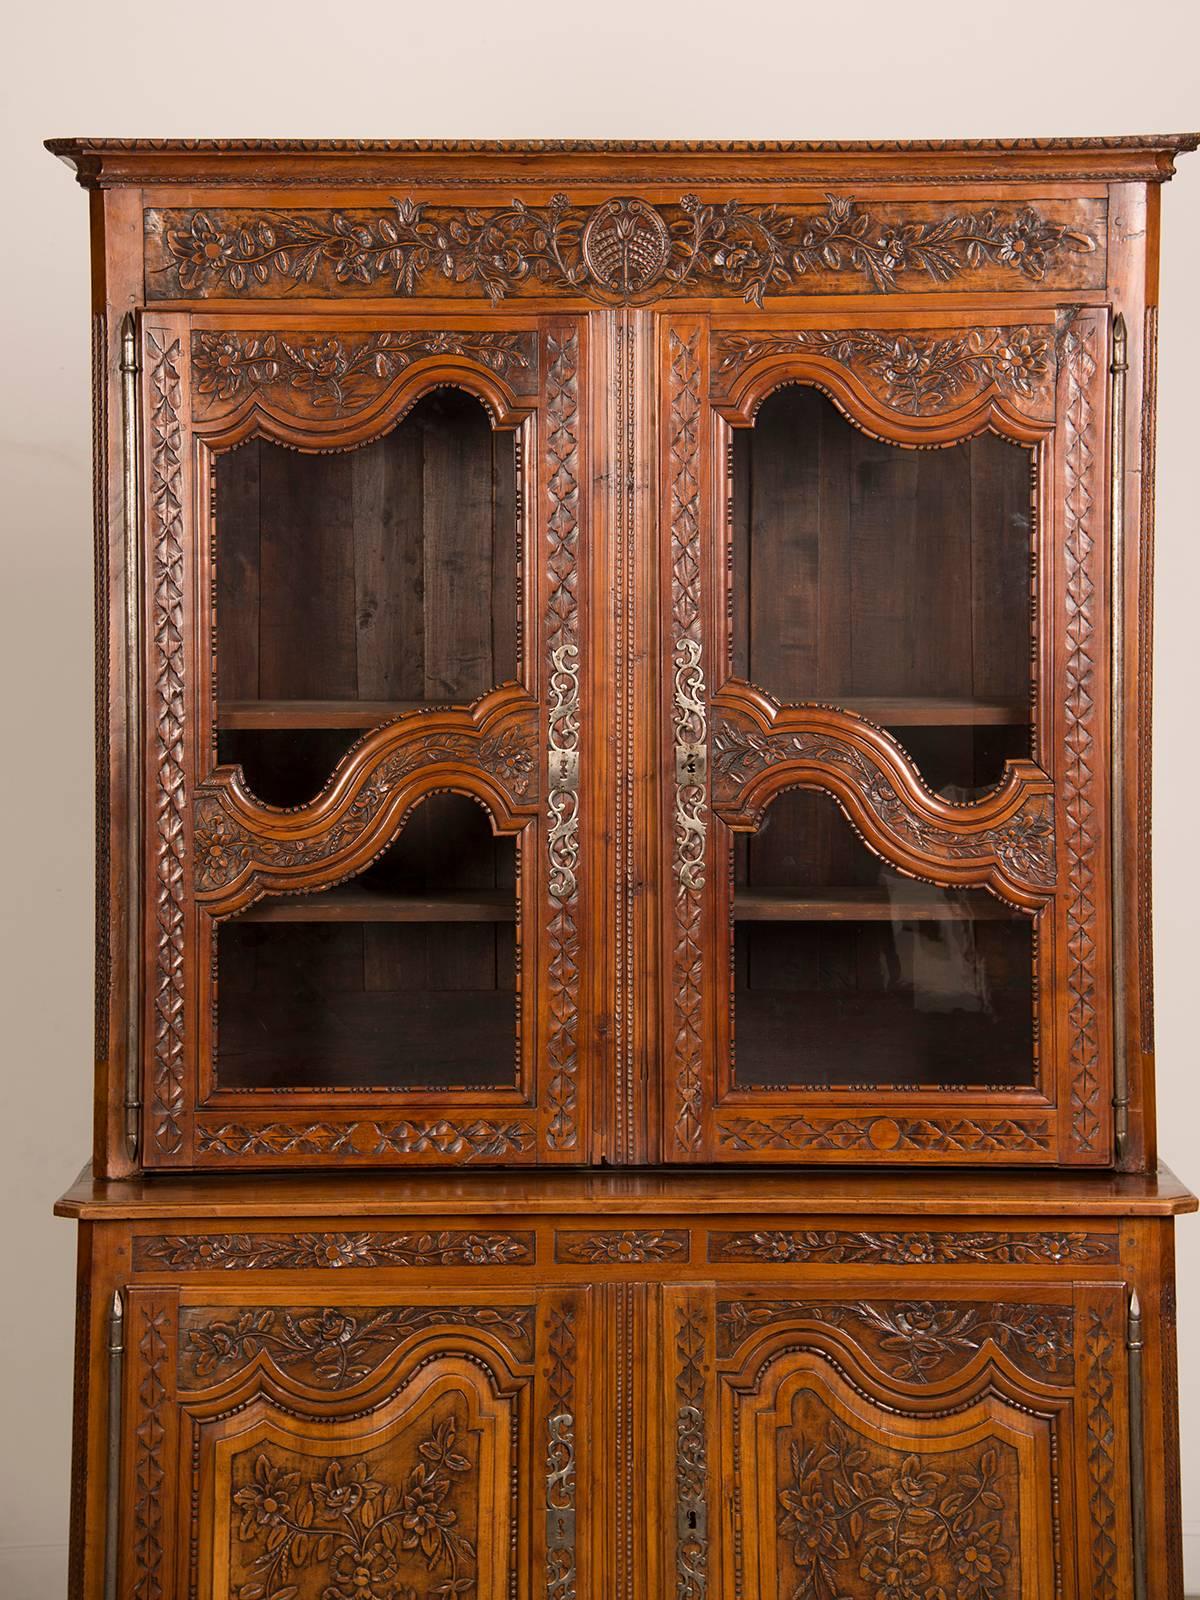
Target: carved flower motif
pixel 811 1523
pixel 217 364
pixel 200 250
pixel 1024 358
pixel 329 1331
pixel 980 1560
pixel 914 1487
pixel 220 849
pixel 1024 243
pixel 914 1248
pixel 266 1501
pixel 424 1513
pixel 342 1250
pixel 362 1575
pixel 1041 1338
pixel 896 1574
pixel 1023 846
pixel 344 1489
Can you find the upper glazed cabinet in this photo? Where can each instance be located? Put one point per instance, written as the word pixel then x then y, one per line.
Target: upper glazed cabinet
pixel 624 676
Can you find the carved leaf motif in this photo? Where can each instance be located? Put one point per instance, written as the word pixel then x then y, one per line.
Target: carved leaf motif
pixel 322 372
pixel 477 1140
pixel 914 373
pixel 883 1135
pixel 621 249
pixel 257 1252
pixel 912 1249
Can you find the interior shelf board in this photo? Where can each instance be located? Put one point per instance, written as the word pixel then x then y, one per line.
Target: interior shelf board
pixel 929 711
pixel 870 904
pixel 314 713
pixel 349 903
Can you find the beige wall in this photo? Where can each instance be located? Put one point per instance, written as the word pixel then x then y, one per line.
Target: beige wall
pixel 471 69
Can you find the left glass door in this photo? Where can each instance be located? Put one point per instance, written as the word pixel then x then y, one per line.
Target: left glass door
pixel 366 878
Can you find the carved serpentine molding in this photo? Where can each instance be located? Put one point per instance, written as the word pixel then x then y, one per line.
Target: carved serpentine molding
pixel 331 374
pixel 326 1347
pixel 622 249
pixel 917 373
pixel 563 734
pixel 1007 839
pixel 921 1341
pixel 243 847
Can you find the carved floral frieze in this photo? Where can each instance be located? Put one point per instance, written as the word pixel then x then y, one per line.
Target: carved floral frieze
pixel 837 1246
pixel 330 1252
pixel 320 372
pixel 917 373
pixel 622 249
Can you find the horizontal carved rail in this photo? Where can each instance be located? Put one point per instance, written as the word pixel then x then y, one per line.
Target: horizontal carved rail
pixel 1005 840
pixel 244 848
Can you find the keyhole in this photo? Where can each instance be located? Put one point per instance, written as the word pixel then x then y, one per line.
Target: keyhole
pixel 691 1519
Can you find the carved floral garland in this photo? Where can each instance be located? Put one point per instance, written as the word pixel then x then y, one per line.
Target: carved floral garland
pixel 621 249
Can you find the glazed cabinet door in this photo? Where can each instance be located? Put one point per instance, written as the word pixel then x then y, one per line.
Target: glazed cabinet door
pixel 885 714
pixel 840 1442
pixel 366 753
pixel 306 1445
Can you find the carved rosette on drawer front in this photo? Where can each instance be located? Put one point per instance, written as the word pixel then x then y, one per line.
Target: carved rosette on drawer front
pixel 326 1347
pixel 244 848
pixel 622 249
pixel 1006 840
pixel 919 373
pixel 561 645
pixel 315 372
pixel 690 725
pixel 921 1341
pixel 166 524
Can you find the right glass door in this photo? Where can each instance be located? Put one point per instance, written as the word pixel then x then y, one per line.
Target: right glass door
pixel 884 925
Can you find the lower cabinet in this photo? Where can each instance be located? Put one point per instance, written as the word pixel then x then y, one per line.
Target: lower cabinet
pixel 615 1406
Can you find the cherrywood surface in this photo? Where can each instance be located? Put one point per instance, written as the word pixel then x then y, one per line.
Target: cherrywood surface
pixel 652 506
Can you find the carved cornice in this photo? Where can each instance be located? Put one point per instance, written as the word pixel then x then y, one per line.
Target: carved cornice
pixel 918 373
pixel 838 1247
pixel 316 372
pixel 325 1347
pixel 244 848
pixel 1006 840
pixel 921 1341
pixel 330 1252
pixel 622 250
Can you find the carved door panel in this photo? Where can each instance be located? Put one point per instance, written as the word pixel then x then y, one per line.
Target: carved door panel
pixel 367 775
pixel 961 1444
pixel 885 903
pixel 321 1449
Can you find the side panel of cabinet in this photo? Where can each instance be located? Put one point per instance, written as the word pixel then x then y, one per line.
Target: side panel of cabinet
pixel 300 1443
pixel 837 1440
pixel 221 864
pixel 907 886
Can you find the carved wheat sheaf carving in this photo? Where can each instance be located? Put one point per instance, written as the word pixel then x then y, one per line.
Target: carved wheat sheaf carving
pixel 691 728
pixel 915 373
pixel 623 249
pixel 563 731
pixel 170 784
pixel 1081 509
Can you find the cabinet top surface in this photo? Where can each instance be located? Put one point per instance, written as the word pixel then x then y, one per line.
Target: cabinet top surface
pixel 649 1192
pixel 108 161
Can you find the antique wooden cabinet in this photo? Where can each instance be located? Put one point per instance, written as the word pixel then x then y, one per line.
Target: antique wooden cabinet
pixel 624 767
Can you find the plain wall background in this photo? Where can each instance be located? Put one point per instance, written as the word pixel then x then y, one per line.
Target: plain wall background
pixel 468 69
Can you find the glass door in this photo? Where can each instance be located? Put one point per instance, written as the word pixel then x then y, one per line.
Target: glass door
pixel 385 848
pixel 867 897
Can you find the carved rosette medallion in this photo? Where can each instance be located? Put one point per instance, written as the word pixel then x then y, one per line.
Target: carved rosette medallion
pixel 626 247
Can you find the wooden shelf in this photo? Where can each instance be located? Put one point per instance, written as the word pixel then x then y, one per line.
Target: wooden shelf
pixel 350 903
pixel 931 711
pixel 314 713
pixel 874 904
